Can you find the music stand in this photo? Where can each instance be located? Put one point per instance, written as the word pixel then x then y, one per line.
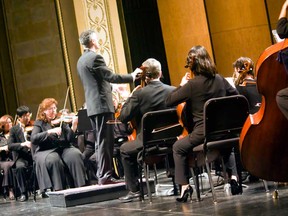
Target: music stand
pixel 84 123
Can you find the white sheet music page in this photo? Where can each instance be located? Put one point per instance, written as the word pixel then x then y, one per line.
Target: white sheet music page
pixel 276 36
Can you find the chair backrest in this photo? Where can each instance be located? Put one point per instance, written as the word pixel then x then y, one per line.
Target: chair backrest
pixel 225 116
pixel 160 128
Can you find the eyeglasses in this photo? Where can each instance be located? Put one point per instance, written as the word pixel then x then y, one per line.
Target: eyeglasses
pixel 27 115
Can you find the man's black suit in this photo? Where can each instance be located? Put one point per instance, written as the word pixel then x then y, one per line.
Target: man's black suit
pixel 96 78
pixel 150 98
pixel 21 155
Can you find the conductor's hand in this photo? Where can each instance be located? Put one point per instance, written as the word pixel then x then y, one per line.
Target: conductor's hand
pixel 56 130
pixel 136 74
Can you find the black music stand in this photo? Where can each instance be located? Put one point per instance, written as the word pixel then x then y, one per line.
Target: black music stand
pixel 84 123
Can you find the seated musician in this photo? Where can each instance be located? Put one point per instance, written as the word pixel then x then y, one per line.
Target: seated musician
pixel 282 30
pixel 206 84
pixel 245 82
pixel 6 159
pixel 20 145
pixel 149 98
pixel 54 151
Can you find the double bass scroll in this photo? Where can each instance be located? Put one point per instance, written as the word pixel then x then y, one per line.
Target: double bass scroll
pixel 264 138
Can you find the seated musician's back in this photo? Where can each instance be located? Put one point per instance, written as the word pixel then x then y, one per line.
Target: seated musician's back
pixel 149 98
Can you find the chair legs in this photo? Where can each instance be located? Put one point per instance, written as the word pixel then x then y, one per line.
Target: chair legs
pixel 141 182
pixel 146 174
pixel 196 182
pixel 211 181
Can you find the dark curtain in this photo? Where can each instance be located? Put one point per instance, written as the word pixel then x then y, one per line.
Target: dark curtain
pixel 142 29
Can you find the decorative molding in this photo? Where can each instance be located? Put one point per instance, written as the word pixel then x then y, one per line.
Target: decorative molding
pixel 99 20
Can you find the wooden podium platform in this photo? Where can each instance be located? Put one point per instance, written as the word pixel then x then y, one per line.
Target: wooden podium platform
pixel 87 194
pixel 91 194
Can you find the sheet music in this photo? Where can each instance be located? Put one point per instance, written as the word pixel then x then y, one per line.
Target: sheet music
pixel 276 36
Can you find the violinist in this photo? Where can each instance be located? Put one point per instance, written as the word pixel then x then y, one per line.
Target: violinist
pixel 6 159
pixel 282 30
pixel 21 149
pixel 142 99
pixel 54 151
pixel 245 82
pixel 206 84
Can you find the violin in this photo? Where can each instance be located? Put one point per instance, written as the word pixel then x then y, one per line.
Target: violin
pixel 264 136
pixel 29 127
pixel 28 130
pixel 64 116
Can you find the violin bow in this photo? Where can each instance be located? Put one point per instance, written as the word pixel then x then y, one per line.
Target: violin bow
pixel 65 102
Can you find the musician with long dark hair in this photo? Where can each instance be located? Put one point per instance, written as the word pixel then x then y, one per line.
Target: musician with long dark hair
pixel 54 155
pixel 206 84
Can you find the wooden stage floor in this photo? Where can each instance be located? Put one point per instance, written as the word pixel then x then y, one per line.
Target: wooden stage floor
pixel 253 201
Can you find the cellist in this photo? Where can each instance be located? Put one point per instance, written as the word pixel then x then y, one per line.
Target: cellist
pixel 282 30
pixel 206 84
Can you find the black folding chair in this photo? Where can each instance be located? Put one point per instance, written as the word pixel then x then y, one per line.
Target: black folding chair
pixel 159 131
pixel 224 118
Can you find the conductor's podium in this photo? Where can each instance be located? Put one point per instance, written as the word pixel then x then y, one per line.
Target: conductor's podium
pixel 87 194
pixel 91 194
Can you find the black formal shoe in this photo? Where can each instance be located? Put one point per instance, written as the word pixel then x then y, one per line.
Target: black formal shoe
pixel 23 198
pixel 44 195
pixel 235 187
pixel 130 196
pixel 187 193
pixel 111 180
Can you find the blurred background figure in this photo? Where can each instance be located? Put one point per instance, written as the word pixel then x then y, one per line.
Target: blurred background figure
pixel 6 159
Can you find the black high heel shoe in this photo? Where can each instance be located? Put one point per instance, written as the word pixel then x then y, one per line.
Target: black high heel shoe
pixel 187 193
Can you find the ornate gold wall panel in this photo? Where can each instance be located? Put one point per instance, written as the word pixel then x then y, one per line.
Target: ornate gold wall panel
pixel 102 16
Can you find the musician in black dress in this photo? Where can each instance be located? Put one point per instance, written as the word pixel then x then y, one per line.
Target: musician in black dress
pixel 282 30
pixel 6 159
pixel 206 84
pixel 55 156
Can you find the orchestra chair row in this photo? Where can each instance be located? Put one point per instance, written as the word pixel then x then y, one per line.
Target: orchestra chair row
pixel 223 118
pixel 160 130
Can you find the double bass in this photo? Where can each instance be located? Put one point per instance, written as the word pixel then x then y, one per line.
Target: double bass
pixel 264 136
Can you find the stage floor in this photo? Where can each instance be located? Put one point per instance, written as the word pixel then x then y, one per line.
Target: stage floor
pixel 253 201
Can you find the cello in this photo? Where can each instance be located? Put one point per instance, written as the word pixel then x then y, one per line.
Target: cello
pixel 264 137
